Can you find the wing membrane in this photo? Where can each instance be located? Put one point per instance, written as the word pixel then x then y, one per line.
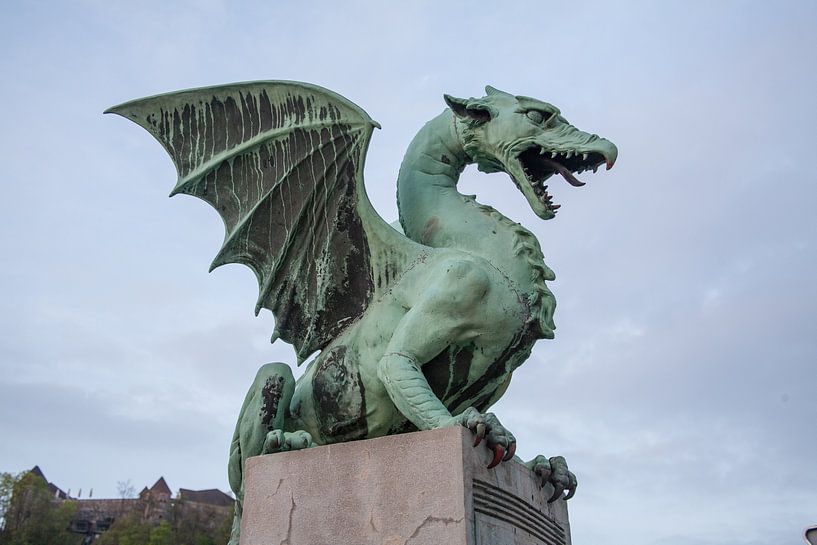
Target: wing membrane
pixel 282 163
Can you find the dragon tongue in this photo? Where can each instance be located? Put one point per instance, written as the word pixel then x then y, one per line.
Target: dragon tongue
pixel 567 175
pixel 564 171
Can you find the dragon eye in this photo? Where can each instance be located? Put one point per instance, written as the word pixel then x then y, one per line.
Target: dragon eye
pixel 535 116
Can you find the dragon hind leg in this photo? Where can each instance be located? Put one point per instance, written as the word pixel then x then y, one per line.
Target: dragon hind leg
pixel 260 428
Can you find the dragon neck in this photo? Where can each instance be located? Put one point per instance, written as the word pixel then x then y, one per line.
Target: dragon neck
pixel 434 213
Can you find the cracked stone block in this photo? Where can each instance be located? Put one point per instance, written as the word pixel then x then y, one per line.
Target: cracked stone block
pixel 423 488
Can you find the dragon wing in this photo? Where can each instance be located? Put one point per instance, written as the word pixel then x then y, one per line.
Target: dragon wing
pixel 282 163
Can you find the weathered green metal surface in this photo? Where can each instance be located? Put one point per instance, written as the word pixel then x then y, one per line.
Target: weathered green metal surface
pixel 415 331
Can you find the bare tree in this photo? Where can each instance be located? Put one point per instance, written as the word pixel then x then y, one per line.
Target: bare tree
pixel 125 489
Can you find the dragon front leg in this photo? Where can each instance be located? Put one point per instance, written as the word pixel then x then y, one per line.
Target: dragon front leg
pixel 443 316
pixel 411 394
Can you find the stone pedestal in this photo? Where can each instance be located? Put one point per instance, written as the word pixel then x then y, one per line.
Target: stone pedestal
pixel 424 488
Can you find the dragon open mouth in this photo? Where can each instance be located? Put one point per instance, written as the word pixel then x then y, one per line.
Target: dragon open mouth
pixel 539 164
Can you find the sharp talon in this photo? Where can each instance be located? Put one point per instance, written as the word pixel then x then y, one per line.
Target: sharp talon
pixel 510 453
pixel 498 452
pixel 571 487
pixel 558 489
pixel 271 446
pixel 480 433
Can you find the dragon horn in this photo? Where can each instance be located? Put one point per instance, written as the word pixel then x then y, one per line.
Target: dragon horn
pixel 494 91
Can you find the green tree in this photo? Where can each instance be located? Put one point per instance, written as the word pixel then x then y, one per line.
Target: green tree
pixel 161 535
pixel 7 482
pixel 200 525
pixel 190 526
pixel 33 517
pixel 222 535
pixel 127 530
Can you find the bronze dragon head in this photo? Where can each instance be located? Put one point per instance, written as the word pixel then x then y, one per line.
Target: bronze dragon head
pixel 530 140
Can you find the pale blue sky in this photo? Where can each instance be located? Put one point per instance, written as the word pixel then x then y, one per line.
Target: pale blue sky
pixel 681 385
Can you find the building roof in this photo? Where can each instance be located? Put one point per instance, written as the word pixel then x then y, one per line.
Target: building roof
pixel 54 489
pixel 160 487
pixel 212 496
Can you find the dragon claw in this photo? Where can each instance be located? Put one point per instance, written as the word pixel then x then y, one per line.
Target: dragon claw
pixel 486 426
pixel 554 471
pixel 281 441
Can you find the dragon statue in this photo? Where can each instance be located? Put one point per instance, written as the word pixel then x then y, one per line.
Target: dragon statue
pixel 419 325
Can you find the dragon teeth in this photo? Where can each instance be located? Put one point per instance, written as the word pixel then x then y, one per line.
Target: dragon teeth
pixel 584 156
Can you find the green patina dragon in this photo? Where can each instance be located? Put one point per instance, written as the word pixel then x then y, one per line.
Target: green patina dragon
pixel 420 330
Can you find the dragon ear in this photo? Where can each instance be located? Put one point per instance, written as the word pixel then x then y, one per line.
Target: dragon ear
pixel 468 109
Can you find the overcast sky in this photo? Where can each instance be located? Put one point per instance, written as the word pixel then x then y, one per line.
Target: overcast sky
pixel 682 384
